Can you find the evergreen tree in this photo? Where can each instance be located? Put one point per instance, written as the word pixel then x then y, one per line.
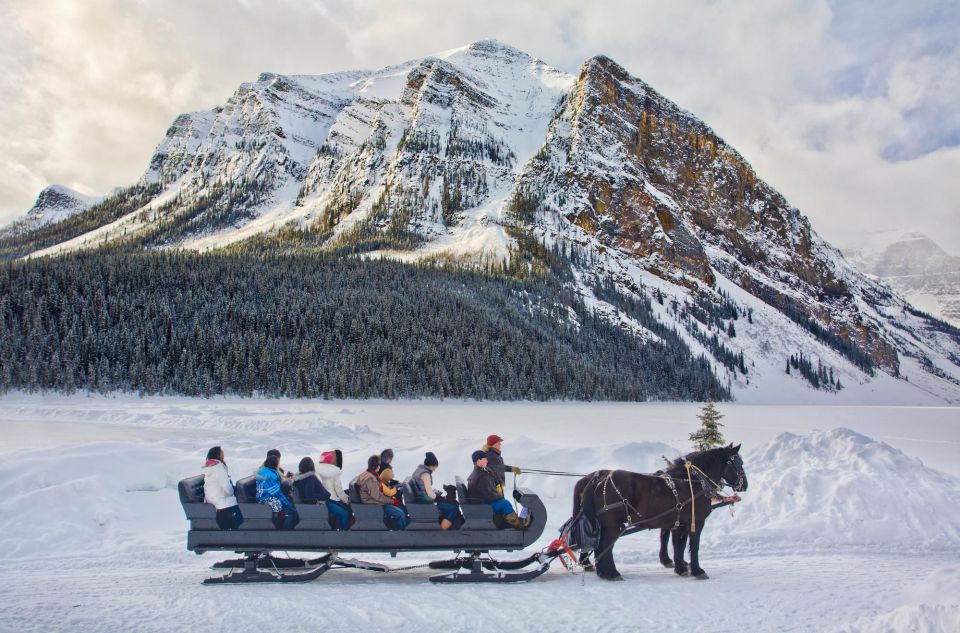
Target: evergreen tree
pixel 709 435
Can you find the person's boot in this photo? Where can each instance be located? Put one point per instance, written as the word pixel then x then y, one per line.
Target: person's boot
pixel 514 521
pixel 458 522
pixel 445 524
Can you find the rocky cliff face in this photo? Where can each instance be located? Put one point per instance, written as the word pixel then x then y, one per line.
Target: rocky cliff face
pixel 483 154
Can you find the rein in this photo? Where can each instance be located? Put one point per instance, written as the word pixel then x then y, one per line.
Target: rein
pixel 554 473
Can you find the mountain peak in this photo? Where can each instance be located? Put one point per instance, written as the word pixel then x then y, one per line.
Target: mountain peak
pixel 491 45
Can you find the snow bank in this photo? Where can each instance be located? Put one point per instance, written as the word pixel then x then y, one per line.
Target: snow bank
pixel 921 618
pixel 934 608
pixel 838 488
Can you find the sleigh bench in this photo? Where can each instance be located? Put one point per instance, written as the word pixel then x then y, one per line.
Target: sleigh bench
pixel 257 538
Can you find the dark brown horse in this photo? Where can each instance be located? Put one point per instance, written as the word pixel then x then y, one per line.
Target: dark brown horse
pixel 621 500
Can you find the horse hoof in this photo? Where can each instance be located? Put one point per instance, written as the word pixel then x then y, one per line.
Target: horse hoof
pixel 702 576
pixel 667 563
pixel 682 572
pixel 588 567
pixel 613 578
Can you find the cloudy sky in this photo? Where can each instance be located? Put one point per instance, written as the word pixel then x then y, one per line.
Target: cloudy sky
pixel 848 108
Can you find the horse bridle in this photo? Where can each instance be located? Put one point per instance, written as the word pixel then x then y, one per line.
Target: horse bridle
pixel 741 476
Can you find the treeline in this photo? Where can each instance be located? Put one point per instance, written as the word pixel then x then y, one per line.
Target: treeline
pixel 821 376
pixel 317 326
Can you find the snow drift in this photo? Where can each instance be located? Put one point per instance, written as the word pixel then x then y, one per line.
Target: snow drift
pixel 839 488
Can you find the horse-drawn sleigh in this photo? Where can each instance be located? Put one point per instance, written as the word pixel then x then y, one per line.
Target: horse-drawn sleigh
pixel 607 505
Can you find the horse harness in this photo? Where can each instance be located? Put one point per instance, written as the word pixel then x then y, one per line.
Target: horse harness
pixel 707 487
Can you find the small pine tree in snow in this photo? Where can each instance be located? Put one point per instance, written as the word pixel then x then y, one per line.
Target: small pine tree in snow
pixel 709 435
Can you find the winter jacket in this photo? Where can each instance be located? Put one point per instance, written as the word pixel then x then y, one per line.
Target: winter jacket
pixel 270 490
pixel 310 488
pixel 482 486
pixel 386 478
pixel 329 476
pixel 368 484
pixel 496 465
pixel 217 485
pixel 422 483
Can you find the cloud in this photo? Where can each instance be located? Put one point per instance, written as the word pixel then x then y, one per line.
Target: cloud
pixel 847 107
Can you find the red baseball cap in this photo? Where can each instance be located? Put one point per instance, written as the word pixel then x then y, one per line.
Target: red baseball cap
pixel 493 439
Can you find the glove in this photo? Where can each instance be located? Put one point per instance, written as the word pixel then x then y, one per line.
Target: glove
pixel 516 470
pixel 517 495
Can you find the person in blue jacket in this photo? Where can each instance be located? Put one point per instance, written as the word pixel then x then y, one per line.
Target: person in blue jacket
pixel 270 492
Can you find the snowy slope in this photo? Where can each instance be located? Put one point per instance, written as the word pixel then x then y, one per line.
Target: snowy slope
pixel 90 504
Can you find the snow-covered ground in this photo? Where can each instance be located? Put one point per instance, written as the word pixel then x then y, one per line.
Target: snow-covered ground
pixel 851 522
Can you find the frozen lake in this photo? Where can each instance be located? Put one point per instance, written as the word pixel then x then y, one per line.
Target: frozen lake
pixel 92 535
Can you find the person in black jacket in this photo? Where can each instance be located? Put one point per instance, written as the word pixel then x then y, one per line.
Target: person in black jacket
pixel 493 448
pixel 312 491
pixel 308 484
pixel 482 487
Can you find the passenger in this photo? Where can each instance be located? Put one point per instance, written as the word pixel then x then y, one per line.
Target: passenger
pixel 386 460
pixel 421 481
pixel 388 484
pixel 391 488
pixel 218 490
pixel 312 490
pixel 329 470
pixel 270 492
pixel 309 487
pixel 368 484
pixel 482 486
pixel 492 448
pixel 280 469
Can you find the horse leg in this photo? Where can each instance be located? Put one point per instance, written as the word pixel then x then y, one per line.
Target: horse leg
pixel 695 568
pixel 664 556
pixel 606 568
pixel 680 544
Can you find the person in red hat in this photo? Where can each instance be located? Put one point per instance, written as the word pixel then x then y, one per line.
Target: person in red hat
pixel 495 460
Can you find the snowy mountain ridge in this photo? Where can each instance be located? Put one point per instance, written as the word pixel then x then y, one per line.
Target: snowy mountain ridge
pixel 54 204
pixel 915 266
pixel 484 154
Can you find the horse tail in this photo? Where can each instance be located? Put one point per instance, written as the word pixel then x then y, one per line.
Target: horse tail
pixel 583 495
pixel 578 494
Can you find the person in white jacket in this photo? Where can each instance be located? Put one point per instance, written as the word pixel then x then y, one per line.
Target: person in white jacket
pixel 218 490
pixel 338 505
pixel 329 470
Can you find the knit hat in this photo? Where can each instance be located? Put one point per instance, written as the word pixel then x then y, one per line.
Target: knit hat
pixel 328 457
pixel 477 455
pixel 493 439
pixel 386 475
pixel 430 460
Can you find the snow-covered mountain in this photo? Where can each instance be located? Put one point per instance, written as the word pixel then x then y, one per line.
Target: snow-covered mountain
pixel 54 204
pixel 916 267
pixel 483 154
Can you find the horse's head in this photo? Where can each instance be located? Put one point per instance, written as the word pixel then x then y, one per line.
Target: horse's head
pixel 733 474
